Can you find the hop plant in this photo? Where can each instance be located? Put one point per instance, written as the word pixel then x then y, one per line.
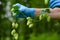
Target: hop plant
pixel 16 36
pixel 15 10
pixel 15 25
pixel 14 14
pixel 46 1
pixel 43 15
pixel 31 25
pixel 48 19
pixel 12 9
pixel 40 17
pixel 29 22
pixel 13 31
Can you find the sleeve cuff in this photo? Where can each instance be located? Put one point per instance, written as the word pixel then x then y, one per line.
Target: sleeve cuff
pixel 55 3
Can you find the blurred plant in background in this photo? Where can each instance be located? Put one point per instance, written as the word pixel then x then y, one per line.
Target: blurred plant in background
pixel 42 30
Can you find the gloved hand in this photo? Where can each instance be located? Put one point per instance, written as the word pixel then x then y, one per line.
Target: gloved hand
pixel 54 3
pixel 24 11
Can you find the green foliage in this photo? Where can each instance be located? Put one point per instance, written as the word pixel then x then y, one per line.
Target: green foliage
pixel 47 29
pixel 39 25
pixel 45 36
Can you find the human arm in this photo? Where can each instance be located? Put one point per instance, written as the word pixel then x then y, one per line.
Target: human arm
pixel 54 9
pixel 54 13
pixel 31 12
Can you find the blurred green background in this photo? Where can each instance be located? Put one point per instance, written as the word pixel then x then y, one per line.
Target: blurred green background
pixel 41 31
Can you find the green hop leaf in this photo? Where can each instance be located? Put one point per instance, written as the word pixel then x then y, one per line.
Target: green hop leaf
pixel 48 18
pixel 15 36
pixel 16 25
pixel 31 25
pixel 46 1
pixel 28 23
pixel 13 32
pixel 14 14
pixel 28 18
pixel 15 7
pixel 12 9
pixel 45 15
pixel 40 17
pixel 13 24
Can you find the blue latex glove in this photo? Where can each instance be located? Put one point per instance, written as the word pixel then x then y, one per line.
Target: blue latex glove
pixel 54 3
pixel 28 12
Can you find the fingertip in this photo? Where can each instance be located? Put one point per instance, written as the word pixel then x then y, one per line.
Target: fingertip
pixel 17 4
